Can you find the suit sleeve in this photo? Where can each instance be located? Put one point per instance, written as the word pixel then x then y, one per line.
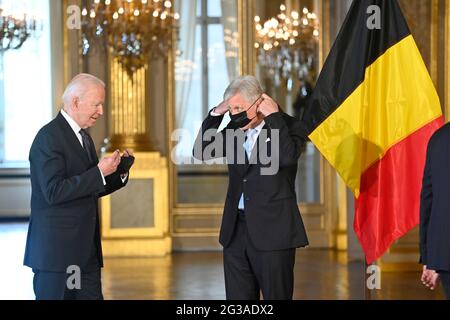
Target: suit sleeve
pixel 426 200
pixel 113 183
pixel 292 138
pixel 208 135
pixel 48 162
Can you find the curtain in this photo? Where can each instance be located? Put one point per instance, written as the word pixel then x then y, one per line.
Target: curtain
pixel 28 68
pixel 231 37
pixel 185 58
pixel 2 112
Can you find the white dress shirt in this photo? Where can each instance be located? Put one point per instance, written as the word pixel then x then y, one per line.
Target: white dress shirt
pixel 252 135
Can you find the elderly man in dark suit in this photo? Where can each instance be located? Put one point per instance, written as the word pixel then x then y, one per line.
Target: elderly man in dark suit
pixel 67 179
pixel 261 224
pixel 435 212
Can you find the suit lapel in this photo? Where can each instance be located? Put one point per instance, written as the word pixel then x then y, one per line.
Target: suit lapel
pixel 242 168
pixel 254 158
pixel 71 139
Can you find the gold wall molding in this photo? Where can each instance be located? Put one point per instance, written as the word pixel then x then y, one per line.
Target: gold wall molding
pixel 336 208
pixel 113 248
pixel 73 59
pixel 342 227
pixel 170 125
pixel 434 41
pixel 447 60
pixel 141 241
pixel 247 55
pixel 129 115
pixel 58 53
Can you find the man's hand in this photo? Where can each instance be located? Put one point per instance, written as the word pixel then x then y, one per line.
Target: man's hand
pixel 267 106
pixel 222 108
pixel 108 165
pixel 429 278
pixel 128 153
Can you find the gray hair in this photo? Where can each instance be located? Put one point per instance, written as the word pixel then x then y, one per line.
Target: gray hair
pixel 79 85
pixel 247 86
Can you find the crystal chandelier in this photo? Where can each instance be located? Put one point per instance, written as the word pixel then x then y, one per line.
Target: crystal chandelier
pixel 134 30
pixel 14 31
pixel 287 45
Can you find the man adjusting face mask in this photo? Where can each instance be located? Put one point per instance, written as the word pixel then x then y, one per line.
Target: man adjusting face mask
pixel 258 250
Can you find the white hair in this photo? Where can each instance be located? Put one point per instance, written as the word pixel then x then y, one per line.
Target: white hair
pixel 247 86
pixel 79 85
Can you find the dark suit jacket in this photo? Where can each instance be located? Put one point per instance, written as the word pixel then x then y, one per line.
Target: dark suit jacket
pixel 435 203
pixel 271 209
pixel 64 201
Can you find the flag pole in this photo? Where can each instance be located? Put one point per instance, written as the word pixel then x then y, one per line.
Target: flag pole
pixel 367 291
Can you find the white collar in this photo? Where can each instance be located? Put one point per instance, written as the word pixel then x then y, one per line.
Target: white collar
pixel 72 123
pixel 259 127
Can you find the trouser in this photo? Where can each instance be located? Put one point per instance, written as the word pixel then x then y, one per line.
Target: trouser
pixel 249 270
pixel 53 286
pixel 445 280
pixel 59 285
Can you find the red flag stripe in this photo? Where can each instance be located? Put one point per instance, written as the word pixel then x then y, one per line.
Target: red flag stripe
pixel 388 206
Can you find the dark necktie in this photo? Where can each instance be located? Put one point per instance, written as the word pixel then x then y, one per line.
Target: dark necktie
pixel 87 145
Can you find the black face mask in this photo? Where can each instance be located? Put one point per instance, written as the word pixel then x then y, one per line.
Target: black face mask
pixel 241 119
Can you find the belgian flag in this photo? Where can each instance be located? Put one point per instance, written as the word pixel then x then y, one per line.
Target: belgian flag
pixel 371 115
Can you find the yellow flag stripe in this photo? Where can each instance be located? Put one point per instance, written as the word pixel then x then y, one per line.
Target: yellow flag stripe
pixel 396 98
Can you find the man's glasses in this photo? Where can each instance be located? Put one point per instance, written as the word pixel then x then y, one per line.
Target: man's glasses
pixel 241 109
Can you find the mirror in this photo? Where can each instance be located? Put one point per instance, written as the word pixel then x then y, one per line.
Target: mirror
pixel 207 60
pixel 287 35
